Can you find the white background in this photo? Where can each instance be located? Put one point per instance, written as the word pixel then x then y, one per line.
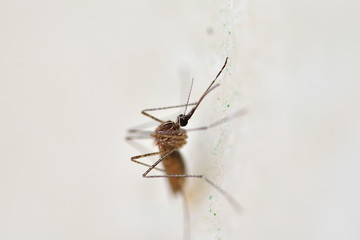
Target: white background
pixel 74 76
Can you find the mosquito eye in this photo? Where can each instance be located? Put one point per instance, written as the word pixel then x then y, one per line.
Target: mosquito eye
pixel 182 120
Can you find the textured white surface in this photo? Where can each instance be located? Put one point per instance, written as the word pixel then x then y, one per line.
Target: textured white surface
pixel 74 76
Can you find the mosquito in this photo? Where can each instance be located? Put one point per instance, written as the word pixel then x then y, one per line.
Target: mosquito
pixel 170 137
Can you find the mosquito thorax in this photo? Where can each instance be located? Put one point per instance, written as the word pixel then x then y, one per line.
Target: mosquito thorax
pixel 181 119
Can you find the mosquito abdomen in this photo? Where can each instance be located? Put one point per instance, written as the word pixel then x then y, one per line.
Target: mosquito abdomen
pixel 174 165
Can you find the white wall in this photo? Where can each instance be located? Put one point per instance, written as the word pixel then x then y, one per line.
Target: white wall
pixel 74 75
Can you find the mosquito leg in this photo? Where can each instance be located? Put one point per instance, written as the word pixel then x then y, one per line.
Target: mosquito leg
pixel 148 135
pixel 231 200
pixel 140 127
pixel 238 113
pixel 151 116
pixel 187 224
pixel 135 144
pixel 156 163
pixel 152 124
pixel 129 138
pixel 162 108
pixel 141 148
pixel 138 134
pixel 134 130
pixel 133 159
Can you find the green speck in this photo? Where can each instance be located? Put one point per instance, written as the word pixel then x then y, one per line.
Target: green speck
pixel 214 214
pixel 228 105
pixel 229 33
pixel 210 197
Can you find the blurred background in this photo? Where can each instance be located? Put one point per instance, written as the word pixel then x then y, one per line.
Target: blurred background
pixel 74 76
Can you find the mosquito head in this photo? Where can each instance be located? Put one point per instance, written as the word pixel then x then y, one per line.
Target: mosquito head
pixel 182 120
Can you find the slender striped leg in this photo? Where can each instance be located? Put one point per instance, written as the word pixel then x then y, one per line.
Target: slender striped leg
pixel 238 113
pixel 162 108
pixel 187 223
pixel 231 200
pixel 133 159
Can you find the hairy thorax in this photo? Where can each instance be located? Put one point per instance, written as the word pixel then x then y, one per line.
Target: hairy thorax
pixel 169 136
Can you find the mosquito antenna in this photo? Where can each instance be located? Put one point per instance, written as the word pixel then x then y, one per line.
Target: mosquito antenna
pixel 183 119
pixel 238 113
pixel 187 102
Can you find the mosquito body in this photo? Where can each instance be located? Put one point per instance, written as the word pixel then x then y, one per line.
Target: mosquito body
pixel 173 162
pixel 170 137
